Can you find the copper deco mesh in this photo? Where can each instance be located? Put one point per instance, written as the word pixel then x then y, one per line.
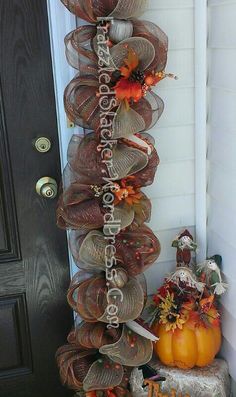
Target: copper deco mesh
pixel 136 250
pixel 89 299
pixel 74 364
pixel 120 352
pixel 87 337
pixel 81 103
pixel 81 47
pixel 85 164
pixel 89 10
pixel 93 336
pixel 79 209
pixel 82 107
pixel 96 357
pixel 80 367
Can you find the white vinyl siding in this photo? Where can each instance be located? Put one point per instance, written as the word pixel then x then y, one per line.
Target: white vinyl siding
pixel 173 191
pixel 222 157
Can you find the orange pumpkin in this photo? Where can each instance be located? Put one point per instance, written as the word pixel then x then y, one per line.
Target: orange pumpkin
pixel 187 347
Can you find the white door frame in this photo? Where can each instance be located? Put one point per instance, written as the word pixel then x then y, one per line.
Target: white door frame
pixel 61 22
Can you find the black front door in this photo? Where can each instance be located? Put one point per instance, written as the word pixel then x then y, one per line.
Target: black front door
pixel 34 270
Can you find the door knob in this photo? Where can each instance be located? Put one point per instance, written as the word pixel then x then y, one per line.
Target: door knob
pixel 47 187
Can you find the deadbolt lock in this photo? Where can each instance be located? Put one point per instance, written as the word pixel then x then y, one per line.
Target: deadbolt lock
pixel 47 187
pixel 42 144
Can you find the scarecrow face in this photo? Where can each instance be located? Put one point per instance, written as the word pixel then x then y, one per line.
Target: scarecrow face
pixel 185 242
pixel 212 265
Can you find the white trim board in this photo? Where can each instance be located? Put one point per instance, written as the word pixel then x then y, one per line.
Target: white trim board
pixel 201 126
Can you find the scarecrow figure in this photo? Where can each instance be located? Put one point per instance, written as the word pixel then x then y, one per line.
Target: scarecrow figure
pixel 185 245
pixel 210 272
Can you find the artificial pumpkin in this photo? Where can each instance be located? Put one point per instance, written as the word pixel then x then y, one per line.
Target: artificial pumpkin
pixel 187 347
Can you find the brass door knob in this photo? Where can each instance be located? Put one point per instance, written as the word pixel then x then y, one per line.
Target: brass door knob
pixel 47 187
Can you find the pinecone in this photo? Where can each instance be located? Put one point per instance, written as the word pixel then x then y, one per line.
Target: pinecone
pixel 137 76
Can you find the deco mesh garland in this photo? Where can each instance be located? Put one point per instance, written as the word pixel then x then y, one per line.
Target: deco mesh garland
pixel 119 60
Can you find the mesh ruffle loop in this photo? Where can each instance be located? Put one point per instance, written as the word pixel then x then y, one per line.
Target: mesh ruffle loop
pixel 92 299
pixel 90 10
pixel 136 250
